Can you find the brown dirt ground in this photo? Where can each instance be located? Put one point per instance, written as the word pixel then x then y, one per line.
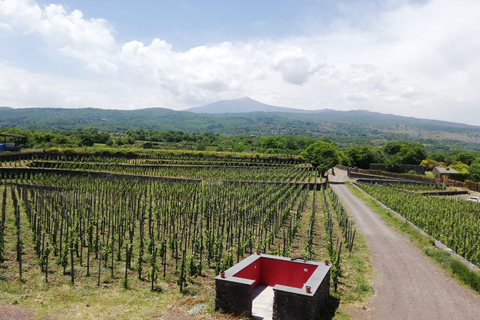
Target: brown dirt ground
pixel 17 312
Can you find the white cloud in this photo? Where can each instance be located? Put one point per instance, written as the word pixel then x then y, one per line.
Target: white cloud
pixel 417 59
pixel 89 40
pixel 4 28
pixel 296 70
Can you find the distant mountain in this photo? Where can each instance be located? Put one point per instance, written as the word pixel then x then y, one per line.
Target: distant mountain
pixel 242 105
pixel 344 127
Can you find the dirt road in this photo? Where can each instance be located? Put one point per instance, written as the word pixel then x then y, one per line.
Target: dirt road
pixel 407 284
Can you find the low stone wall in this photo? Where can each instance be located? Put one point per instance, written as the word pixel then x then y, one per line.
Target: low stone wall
pixel 368 176
pixel 233 297
pixel 27 173
pixel 290 305
pixel 234 289
pixel 392 181
pixel 444 193
pixel 437 243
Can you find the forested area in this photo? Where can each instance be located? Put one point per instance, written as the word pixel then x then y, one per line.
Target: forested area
pixel 393 154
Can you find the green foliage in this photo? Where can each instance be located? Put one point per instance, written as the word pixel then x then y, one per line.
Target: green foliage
pixel 460 176
pixel 426 243
pixel 345 128
pixel 396 154
pixel 417 187
pixel 430 164
pixel 474 171
pixel 438 217
pixel 52 150
pixel 86 140
pixel 394 163
pixel 468 276
pixel 466 157
pixel 182 276
pixel 192 267
pixel 201 146
pixel 437 156
pixel 460 167
pixel 402 152
pixel 322 155
pixel 228 263
pixel 363 156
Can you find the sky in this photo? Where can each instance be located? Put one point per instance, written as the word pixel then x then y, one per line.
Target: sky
pixel 416 58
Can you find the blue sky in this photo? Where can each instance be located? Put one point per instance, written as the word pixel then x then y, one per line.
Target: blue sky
pixel 412 58
pixel 186 24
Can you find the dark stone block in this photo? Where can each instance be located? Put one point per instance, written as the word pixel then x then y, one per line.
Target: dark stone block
pixel 234 298
pixel 234 289
pixel 292 306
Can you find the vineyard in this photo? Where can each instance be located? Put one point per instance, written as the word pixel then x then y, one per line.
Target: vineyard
pixel 162 222
pixel 417 187
pixel 453 221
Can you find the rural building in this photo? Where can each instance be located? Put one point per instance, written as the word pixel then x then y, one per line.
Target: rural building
pixel 293 289
pixel 6 145
pixel 440 172
pixel 378 166
pixel 418 169
pixel 147 145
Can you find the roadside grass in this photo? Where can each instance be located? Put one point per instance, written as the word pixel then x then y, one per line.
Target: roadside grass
pixel 450 264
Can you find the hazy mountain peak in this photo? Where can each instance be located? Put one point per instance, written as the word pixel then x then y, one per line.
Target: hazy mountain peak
pixel 241 105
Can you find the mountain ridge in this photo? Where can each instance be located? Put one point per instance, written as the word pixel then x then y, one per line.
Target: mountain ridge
pixel 347 127
pixel 242 105
pixel 249 105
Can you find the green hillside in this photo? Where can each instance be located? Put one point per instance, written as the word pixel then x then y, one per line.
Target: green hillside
pixel 345 126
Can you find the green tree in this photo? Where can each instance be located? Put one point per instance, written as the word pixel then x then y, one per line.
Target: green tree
pixel 394 163
pixel 429 164
pixel 269 143
pixel 363 156
pixel 87 139
pixel 460 167
pixel 474 171
pixel 402 152
pixel 322 155
pixel 393 147
pixel 413 154
pixel 466 157
pixel 201 146
pixel 437 156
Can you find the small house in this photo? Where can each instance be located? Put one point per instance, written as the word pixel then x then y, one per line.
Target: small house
pixel 6 145
pixel 147 145
pixel 440 172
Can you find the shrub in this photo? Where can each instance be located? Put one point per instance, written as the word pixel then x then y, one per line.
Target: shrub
pixel 52 150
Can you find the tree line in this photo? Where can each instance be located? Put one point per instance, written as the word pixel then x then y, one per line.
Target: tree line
pixel 392 154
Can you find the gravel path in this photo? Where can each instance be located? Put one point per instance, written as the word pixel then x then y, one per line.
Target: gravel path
pixel 407 284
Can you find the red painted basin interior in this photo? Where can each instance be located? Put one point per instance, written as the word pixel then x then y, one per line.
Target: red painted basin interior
pixel 270 272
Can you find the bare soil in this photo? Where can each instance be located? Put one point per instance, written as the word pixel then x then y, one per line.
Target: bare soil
pixel 17 312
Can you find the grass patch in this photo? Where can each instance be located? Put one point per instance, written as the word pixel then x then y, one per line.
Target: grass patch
pixel 469 277
pixel 454 267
